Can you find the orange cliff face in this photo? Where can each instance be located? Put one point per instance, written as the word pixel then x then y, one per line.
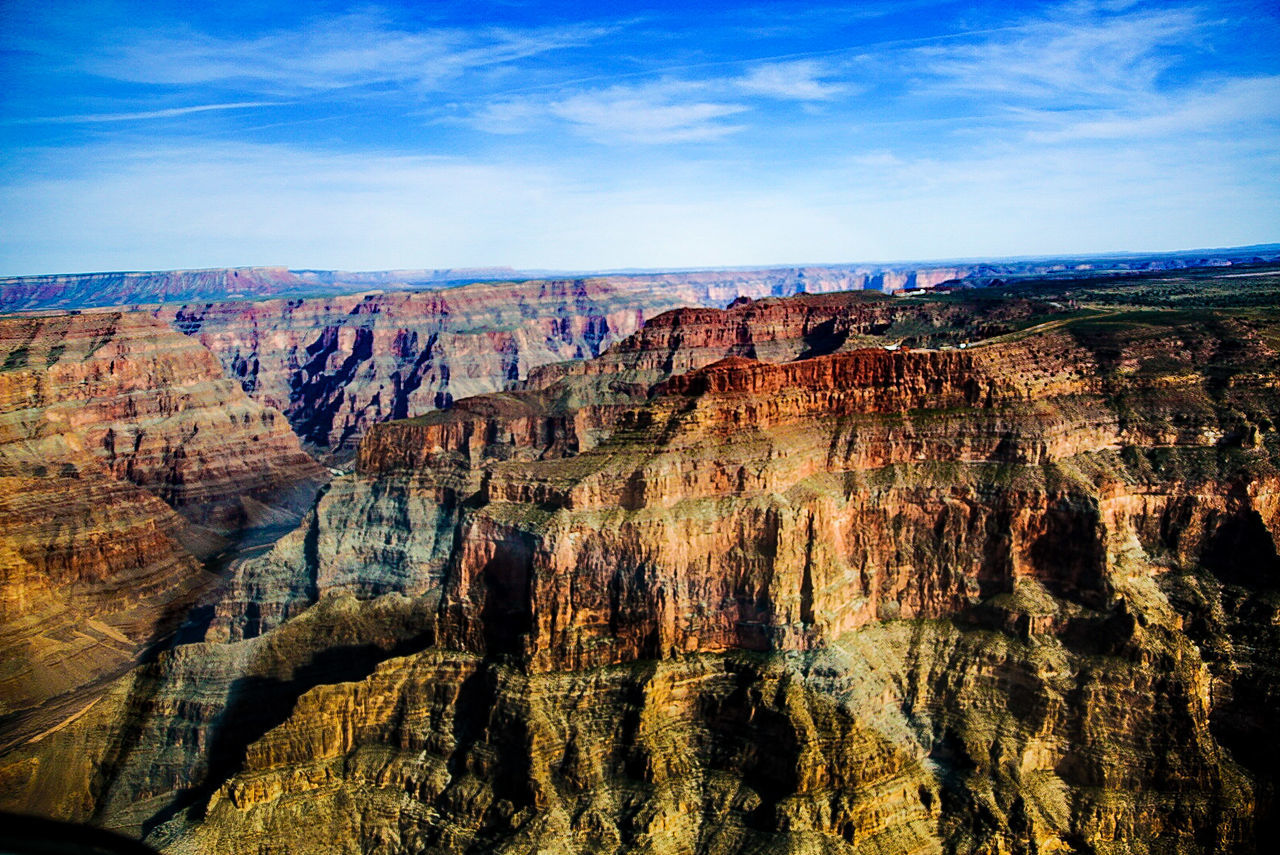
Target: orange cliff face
pixel 789 457
pixel 126 459
pixel 728 511
pixel 781 330
pixel 987 571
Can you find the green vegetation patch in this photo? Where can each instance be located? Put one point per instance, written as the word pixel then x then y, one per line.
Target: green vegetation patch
pixel 16 359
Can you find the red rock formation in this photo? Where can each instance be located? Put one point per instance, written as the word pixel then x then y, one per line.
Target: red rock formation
pixel 962 551
pixel 154 409
pixel 126 457
pixel 337 365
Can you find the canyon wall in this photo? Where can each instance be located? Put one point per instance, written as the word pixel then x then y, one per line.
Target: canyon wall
pixel 126 460
pixel 770 596
pixel 86 290
pixel 89 290
pixel 336 357
pixel 719 286
pixel 337 365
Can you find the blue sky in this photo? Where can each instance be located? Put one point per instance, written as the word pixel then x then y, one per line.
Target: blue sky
pixel 591 136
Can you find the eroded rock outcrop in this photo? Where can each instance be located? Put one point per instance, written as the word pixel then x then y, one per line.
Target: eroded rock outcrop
pixel 126 459
pixel 1012 598
pixel 336 365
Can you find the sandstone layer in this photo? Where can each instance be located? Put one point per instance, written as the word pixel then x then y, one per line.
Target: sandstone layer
pixel 126 460
pixel 767 597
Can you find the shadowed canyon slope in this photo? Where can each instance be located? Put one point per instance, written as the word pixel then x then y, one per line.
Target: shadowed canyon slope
pixel 744 584
pixel 336 365
pixel 126 459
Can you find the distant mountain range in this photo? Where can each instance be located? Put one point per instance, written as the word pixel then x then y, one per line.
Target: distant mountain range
pixel 90 290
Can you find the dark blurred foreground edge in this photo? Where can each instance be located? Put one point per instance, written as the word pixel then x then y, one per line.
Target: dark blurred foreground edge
pixel 30 835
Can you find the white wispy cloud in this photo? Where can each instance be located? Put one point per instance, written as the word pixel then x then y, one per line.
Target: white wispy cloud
pixel 646 114
pixel 357 49
pixel 1091 71
pixel 664 111
pixel 801 80
pixel 143 115
pixel 1211 107
pixel 667 110
pixel 1079 52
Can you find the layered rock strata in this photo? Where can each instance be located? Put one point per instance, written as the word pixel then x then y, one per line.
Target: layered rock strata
pixel 126 459
pixel 337 365
pixel 1013 598
pixel 84 290
pixel 87 290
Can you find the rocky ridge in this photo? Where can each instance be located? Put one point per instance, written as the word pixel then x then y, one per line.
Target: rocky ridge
pixel 90 290
pixel 85 290
pixel 336 357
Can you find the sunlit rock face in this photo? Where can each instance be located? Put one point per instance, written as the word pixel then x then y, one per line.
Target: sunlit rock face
pixel 743 584
pixel 126 458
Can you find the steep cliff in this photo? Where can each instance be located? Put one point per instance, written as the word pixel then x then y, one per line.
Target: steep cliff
pixel 337 365
pixel 1019 597
pixel 126 458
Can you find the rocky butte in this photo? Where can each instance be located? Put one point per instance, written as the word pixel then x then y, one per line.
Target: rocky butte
pixel 748 581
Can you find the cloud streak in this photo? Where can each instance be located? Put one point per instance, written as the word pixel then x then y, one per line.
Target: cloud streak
pixel 168 113
pixel 665 111
pixel 800 80
pixel 661 112
pixel 1090 70
pixel 645 115
pixel 354 50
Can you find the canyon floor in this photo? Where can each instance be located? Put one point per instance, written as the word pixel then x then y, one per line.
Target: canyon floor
pixel 580 566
